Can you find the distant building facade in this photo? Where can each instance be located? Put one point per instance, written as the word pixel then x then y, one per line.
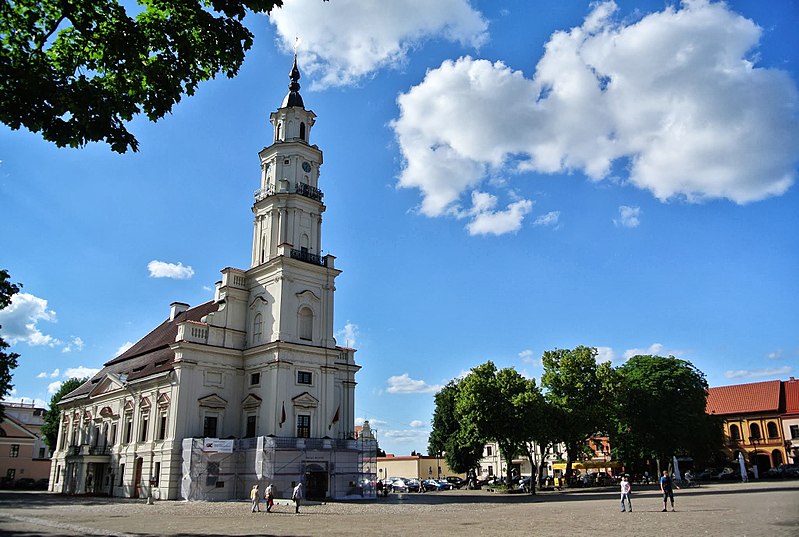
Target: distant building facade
pixel 247 388
pixel 23 452
pixel 790 420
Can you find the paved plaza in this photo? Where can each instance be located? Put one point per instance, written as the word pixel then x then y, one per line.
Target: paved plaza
pixel 731 510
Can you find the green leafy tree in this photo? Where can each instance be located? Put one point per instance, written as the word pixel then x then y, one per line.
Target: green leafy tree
pixel 52 416
pixel 660 411
pixel 8 360
pixel 77 70
pixel 581 389
pixel 462 448
pixel 494 403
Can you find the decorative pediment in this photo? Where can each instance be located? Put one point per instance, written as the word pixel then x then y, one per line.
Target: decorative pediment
pixel 107 412
pixel 308 295
pixel 128 406
pixel 87 415
pixel 305 400
pixel 258 301
pixel 163 400
pixel 251 401
pixel 110 383
pixel 144 403
pixel 212 401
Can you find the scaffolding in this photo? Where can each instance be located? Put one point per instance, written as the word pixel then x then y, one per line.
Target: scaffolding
pixel 217 470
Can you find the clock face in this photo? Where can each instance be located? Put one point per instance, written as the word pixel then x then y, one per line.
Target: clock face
pixel 306 166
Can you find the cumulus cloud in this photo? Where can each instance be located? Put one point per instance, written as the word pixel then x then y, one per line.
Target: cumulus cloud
pixel 161 269
pixel 20 320
pixel 488 221
pixel 417 423
pixel 76 344
pixel 405 384
pixel 53 387
pixel 348 40
pixel 628 216
pixel 80 371
pixel 125 346
pixel 53 374
pixel 605 354
pixel 348 335
pixel 675 97
pixel 756 373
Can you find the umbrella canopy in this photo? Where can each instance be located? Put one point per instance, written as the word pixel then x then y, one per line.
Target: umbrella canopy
pixel 742 463
pixel 677 475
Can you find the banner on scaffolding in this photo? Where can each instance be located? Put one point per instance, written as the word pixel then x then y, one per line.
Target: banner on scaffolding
pixel 218 445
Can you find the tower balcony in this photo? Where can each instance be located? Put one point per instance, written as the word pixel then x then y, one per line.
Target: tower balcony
pixel 308 257
pixel 309 191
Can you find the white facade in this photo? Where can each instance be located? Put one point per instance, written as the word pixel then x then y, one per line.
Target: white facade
pixel 257 366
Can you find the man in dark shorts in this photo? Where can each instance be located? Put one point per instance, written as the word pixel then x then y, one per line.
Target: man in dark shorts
pixel 667 488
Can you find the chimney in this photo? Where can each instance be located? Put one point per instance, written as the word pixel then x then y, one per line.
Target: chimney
pixel 176 308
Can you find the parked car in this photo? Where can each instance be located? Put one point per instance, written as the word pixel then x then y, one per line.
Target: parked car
pixel 707 474
pixel 25 483
pixel 431 485
pixel 783 471
pixel 456 481
pixel 398 485
pixel 445 485
pixel 413 484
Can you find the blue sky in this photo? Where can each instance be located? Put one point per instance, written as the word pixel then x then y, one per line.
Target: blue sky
pixel 502 178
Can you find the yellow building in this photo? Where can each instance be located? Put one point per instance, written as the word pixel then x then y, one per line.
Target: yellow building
pixel 752 425
pixel 418 466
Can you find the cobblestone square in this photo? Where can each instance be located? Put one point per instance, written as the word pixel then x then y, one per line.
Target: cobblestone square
pixel 735 509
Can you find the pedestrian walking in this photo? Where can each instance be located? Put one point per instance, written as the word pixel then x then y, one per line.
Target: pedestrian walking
pixel 255 497
pixel 667 488
pixel 625 493
pixel 296 495
pixel 269 496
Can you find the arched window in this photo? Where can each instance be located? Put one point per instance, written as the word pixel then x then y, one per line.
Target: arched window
pixel 735 432
pixel 754 431
pixel 304 242
pixel 771 427
pixel 302 131
pixel 277 132
pixel 306 323
pixel 257 328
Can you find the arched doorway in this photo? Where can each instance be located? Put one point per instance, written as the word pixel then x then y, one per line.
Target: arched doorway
pixel 315 482
pixel 776 457
pixel 137 478
pixel 762 460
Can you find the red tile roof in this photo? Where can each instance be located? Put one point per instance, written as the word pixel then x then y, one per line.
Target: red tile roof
pixel 791 396
pixel 744 398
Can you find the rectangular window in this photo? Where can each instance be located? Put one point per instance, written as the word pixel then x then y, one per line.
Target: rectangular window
pixel 162 427
pixel 113 439
pixel 157 473
pixel 121 474
pixel 251 420
pixel 488 451
pixel 128 428
pixel 145 422
pixel 303 426
pixel 209 427
pixel 794 432
pixel 14 450
pixel 304 377
pixel 41 453
pixel 11 473
pixel 490 470
pixel 255 379
pixel 57 473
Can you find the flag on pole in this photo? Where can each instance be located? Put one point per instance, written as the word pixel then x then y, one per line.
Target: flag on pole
pixel 335 418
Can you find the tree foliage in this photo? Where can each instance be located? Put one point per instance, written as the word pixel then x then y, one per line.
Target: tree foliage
pixel 462 449
pixel 660 411
pixel 581 389
pixel 77 70
pixel 8 360
pixel 52 415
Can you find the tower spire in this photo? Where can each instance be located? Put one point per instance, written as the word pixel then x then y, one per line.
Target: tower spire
pixel 293 97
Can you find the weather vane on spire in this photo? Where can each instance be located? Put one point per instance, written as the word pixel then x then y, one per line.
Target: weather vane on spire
pixel 296 44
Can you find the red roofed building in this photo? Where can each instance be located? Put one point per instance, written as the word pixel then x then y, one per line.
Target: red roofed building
pixel 751 414
pixel 790 419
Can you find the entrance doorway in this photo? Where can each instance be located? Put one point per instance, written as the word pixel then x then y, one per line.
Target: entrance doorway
pixel 137 478
pixel 315 482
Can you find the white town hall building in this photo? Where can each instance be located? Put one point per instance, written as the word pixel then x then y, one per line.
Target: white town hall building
pixel 247 388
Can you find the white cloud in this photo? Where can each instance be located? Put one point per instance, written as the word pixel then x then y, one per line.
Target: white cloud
pixel 628 216
pixel 413 437
pixel 53 374
pixel 373 422
pixel 605 354
pixel 348 335
pixel 674 95
pixel 405 384
pixel 550 219
pixel 80 371
pixel 20 319
pixel 755 373
pixel 776 355
pixel 526 355
pixel 53 387
pixel 76 343
pixel 346 41
pixel 417 423
pixel 654 349
pixel 125 346
pixel 487 221
pixel 27 400
pixel 161 269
